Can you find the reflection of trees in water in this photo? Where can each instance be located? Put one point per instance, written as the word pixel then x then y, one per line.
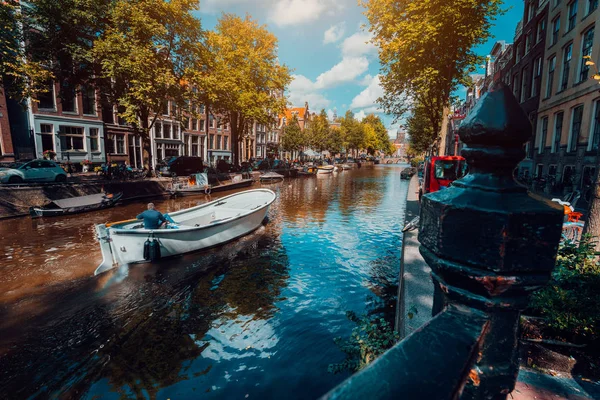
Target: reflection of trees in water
pixel 383 283
pixel 307 198
pixel 360 192
pixel 149 352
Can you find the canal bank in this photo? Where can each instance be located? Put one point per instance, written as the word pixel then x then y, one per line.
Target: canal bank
pixel 16 200
pixel 545 373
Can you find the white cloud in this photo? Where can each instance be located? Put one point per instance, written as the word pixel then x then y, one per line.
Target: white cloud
pixel 358 45
pixel 345 71
pixel 359 116
pixel 296 12
pixel 334 33
pixel 302 90
pixel 368 97
pixel 366 80
pixel 330 114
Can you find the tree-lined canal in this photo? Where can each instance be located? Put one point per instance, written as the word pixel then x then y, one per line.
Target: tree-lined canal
pixel 253 319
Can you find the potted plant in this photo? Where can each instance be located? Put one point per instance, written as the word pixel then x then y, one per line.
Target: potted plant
pixel 86 165
pixel 49 154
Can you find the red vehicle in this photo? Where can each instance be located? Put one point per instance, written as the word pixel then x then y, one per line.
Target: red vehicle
pixel 440 172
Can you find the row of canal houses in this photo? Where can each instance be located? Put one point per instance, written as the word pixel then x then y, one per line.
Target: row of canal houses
pixel 546 69
pixel 85 127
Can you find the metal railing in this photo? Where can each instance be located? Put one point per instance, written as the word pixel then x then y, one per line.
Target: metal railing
pixel 489 244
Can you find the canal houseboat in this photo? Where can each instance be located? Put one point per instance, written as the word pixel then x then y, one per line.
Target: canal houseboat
pixel 197 228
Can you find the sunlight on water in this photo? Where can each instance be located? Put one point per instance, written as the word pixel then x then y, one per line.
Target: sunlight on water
pixel 255 317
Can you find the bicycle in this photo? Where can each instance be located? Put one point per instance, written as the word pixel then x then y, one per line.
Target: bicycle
pixel 572 231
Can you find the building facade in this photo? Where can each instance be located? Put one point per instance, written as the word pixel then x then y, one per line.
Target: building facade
pixel 219 145
pixel 529 47
pixel 7 153
pixel 568 120
pixel 68 124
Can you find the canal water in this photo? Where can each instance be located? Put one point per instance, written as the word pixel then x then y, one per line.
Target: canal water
pixel 255 318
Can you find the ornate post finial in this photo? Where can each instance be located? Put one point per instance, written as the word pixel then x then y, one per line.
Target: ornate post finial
pixel 488 241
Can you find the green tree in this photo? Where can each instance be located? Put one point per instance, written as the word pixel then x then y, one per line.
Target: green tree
pixel 352 132
pixel 371 144
pixel 418 126
pixel 146 56
pixel 381 140
pixel 318 132
pixel 21 76
pixel 241 77
pixel 61 34
pixel 335 141
pixel 293 138
pixel 426 49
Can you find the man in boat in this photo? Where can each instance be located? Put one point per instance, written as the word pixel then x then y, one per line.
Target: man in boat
pixel 153 219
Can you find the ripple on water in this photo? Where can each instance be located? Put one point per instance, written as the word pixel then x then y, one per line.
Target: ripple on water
pixel 254 318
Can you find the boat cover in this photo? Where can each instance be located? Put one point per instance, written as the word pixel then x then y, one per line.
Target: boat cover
pixel 81 201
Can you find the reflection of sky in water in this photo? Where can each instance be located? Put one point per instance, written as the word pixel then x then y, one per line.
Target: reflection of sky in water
pixel 330 259
pixel 256 317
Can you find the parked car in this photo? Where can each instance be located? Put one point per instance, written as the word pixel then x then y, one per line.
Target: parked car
pixel 181 166
pixel 440 171
pixel 33 171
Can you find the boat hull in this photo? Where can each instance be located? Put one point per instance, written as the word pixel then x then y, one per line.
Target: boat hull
pixel 325 170
pixel 39 212
pixel 121 246
pixel 213 189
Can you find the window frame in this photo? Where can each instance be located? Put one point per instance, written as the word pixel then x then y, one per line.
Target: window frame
pixel 585 69
pixel 94 139
pixel 543 134
pixel 574 141
pixel 550 75
pixel 68 138
pixel 557 129
pixel 572 16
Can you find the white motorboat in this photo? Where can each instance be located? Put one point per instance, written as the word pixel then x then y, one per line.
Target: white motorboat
pixel 325 169
pixel 271 176
pixel 192 229
pixel 346 167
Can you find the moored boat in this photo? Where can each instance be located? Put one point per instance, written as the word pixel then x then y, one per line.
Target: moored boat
pixel 325 169
pixel 346 167
pixel 197 228
pixel 270 177
pixel 76 205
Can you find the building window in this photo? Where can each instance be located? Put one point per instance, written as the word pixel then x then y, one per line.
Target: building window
pixel 595 129
pixel 219 123
pixel 46 100
pixel 68 97
pixel 524 85
pixel 47 137
pixel 218 142
pixel 165 108
pixel 211 142
pixel 120 119
pixel 211 121
pixel 158 130
pixel 543 134
pixel 93 139
pixel 528 42
pixel 567 55
pixel 176 129
pixel 195 146
pixel 550 81
pixel 201 125
pixel 576 117
pixel 225 142
pixel 558 123
pixel 167 131
pixel 194 124
pixel 568 175
pixel 539 170
pixel 88 97
pixel 537 74
pixel 516 85
pixel 555 30
pixel 530 11
pixel 591 6
pixel 120 144
pixel 71 138
pixel 541 30
pixel 586 50
pixel 572 15
pixel 552 171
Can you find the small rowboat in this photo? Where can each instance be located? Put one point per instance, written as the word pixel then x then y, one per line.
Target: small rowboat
pixel 271 177
pixel 208 189
pixel 75 205
pixel 325 169
pixel 197 228
pixel 346 167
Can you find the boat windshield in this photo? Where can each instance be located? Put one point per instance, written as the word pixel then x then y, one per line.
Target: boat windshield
pixel 450 169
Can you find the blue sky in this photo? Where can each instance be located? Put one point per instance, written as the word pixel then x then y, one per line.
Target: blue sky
pixel 322 41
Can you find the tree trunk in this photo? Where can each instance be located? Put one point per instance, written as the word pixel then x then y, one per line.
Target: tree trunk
pixel 592 222
pixel 235 146
pixel 146 146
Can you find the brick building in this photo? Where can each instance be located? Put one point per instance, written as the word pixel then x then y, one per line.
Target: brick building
pixel 7 152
